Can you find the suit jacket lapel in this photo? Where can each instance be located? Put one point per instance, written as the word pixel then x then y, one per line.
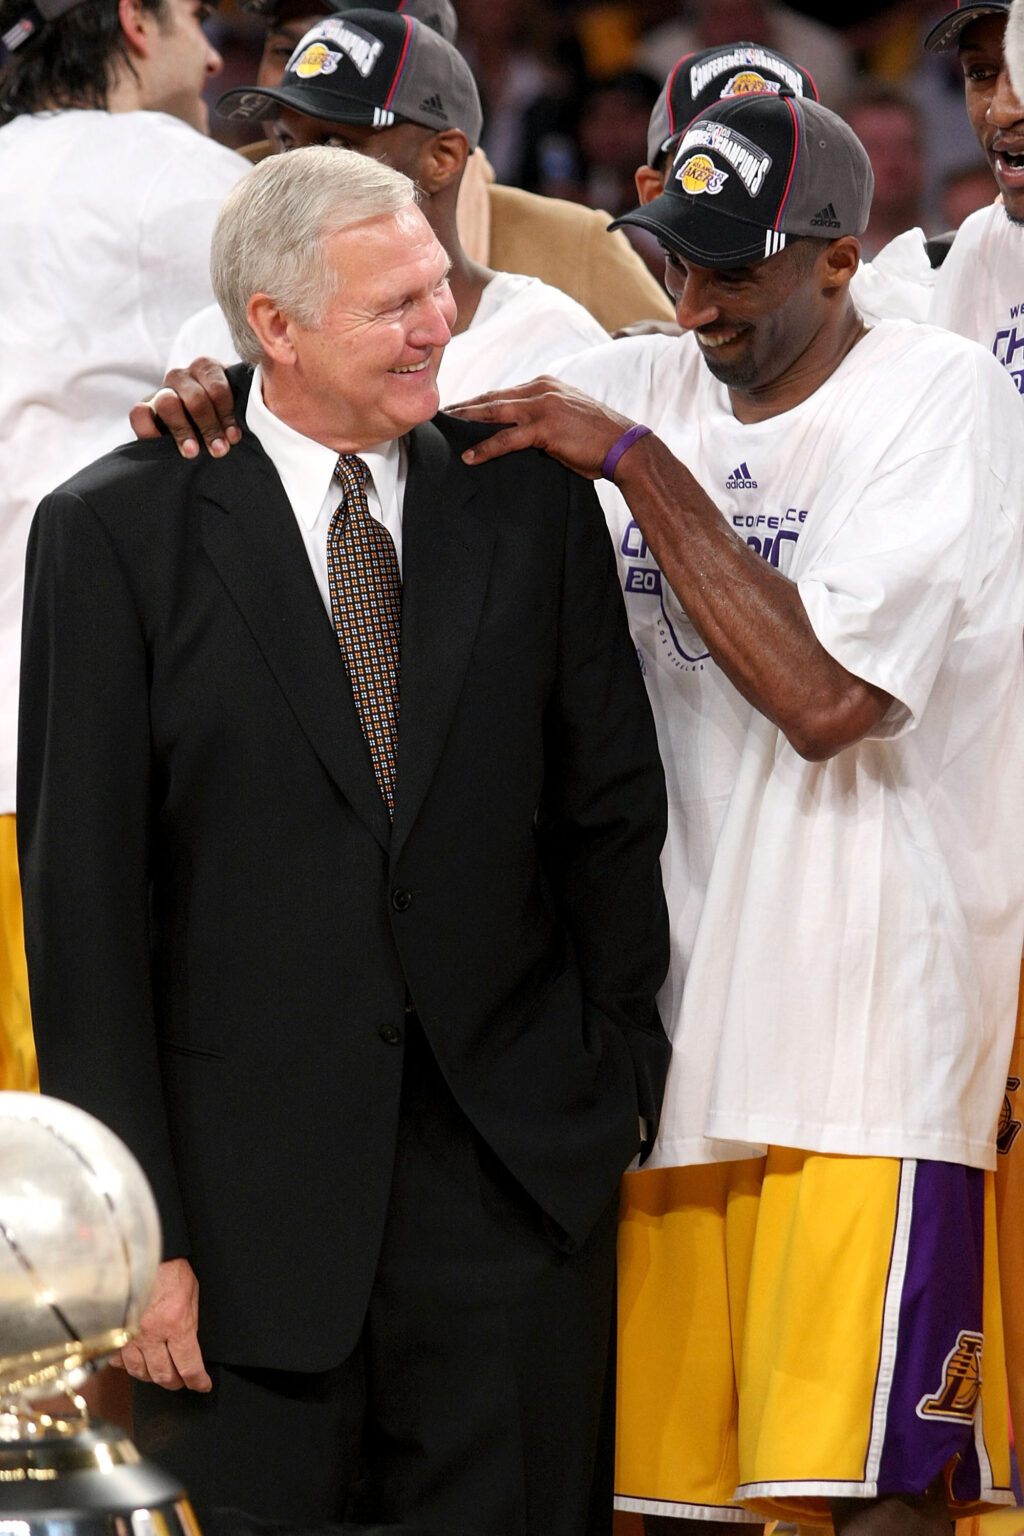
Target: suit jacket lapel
pixel 249 533
pixel 446 558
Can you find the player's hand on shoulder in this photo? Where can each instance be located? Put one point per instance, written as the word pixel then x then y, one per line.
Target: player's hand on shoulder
pixel 545 414
pixel 193 404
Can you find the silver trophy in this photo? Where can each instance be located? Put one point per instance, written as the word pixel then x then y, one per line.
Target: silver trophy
pixel 79 1250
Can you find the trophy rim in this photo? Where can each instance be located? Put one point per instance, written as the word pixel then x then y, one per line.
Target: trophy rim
pixel 38 1367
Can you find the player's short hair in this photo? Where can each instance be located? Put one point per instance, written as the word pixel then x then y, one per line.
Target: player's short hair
pixel 273 225
pixel 71 61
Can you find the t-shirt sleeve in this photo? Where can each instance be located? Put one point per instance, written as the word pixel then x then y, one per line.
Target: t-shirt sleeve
pixel 887 588
pixel 174 236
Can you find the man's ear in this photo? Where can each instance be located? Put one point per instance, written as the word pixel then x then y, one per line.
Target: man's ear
pixel 137 27
pixel 442 159
pixel 649 183
pixel 272 328
pixel 840 260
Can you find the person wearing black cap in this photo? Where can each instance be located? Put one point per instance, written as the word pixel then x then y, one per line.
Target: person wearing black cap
pixel 896 285
pixel 417 108
pixel 505 228
pixel 109 198
pixel 820 532
pixel 342 813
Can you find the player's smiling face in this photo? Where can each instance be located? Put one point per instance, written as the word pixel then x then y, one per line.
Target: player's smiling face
pixel 753 324
pixel 996 115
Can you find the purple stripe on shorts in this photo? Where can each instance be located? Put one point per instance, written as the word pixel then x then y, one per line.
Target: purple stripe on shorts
pixel 937 1374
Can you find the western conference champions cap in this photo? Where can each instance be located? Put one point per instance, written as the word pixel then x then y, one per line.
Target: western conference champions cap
pixel 701 79
pixel 946 34
pixel 753 170
pixel 373 68
pixel 438 14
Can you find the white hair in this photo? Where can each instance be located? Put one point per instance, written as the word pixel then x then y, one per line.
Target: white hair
pixel 1013 48
pixel 270 232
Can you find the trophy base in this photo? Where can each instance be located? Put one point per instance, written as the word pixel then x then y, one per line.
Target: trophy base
pixel 89 1483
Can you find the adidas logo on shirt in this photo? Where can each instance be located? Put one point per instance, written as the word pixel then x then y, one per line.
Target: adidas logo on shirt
pixel 825 218
pixel 433 104
pixel 740 480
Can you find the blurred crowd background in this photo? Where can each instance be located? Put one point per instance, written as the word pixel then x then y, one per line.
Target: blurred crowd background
pixel 568 85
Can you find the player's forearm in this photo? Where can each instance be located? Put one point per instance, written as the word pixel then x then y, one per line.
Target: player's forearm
pixel 748 614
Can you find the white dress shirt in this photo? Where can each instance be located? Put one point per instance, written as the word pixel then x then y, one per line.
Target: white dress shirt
pixel 307 474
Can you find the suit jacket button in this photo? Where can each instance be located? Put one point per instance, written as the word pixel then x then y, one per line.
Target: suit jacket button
pixel 390 1034
pixel 401 900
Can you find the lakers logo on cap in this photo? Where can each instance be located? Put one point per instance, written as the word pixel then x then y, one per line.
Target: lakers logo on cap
pixel 699 174
pixel 956 1398
pixel 316 60
pixel 750 83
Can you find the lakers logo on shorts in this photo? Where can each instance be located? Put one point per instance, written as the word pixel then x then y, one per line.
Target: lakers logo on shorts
pixel 1009 1128
pixel 956 1398
pixel 316 60
pixel 699 175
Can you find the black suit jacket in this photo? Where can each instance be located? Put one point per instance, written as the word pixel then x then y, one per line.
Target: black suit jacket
pixel 224 931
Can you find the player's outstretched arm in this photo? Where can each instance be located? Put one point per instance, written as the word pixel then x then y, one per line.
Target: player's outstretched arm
pixel 749 615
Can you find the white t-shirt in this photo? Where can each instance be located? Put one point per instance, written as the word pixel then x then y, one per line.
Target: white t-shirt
pixel 521 328
pixel 849 931
pixel 898 284
pixel 979 289
pixel 104 249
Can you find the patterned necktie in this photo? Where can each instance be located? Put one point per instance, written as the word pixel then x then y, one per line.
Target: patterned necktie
pixel 366 605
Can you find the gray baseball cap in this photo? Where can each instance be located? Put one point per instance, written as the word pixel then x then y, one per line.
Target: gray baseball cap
pixel 946 33
pixel 698 80
pixel 753 170
pixel 439 14
pixel 373 68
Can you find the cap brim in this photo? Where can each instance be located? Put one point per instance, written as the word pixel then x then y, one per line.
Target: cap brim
pixel 255 104
pixel 946 33
pixel 702 235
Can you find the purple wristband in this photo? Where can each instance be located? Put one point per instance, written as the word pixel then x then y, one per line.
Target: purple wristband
pixel 616 451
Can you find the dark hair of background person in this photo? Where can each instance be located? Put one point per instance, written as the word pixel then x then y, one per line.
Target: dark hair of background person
pixel 71 62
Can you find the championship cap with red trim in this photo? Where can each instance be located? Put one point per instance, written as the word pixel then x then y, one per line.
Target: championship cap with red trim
pixel 752 171
pixel 946 33
pixel 701 79
pixel 371 68
pixel 439 14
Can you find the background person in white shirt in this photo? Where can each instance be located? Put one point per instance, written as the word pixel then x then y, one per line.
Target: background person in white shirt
pixel 109 197
pixel 822 556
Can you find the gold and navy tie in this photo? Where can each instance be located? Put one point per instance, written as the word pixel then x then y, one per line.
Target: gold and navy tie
pixel 366 605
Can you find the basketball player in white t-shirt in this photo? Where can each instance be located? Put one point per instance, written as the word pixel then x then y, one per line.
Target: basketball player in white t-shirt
pixel 820 540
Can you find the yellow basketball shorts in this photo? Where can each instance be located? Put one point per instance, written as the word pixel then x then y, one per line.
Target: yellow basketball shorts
pixel 803 1327
pixel 17 1051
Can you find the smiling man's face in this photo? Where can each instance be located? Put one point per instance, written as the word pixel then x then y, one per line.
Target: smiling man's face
pixel 996 115
pixel 754 323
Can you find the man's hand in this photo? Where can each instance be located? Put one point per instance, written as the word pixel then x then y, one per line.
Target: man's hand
pixel 546 414
pixel 191 403
pixel 166 1351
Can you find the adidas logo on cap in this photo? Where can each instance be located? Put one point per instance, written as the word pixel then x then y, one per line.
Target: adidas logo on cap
pixel 740 480
pixel 825 218
pixel 433 104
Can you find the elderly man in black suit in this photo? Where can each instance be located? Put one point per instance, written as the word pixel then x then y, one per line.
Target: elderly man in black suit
pixel 341 818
